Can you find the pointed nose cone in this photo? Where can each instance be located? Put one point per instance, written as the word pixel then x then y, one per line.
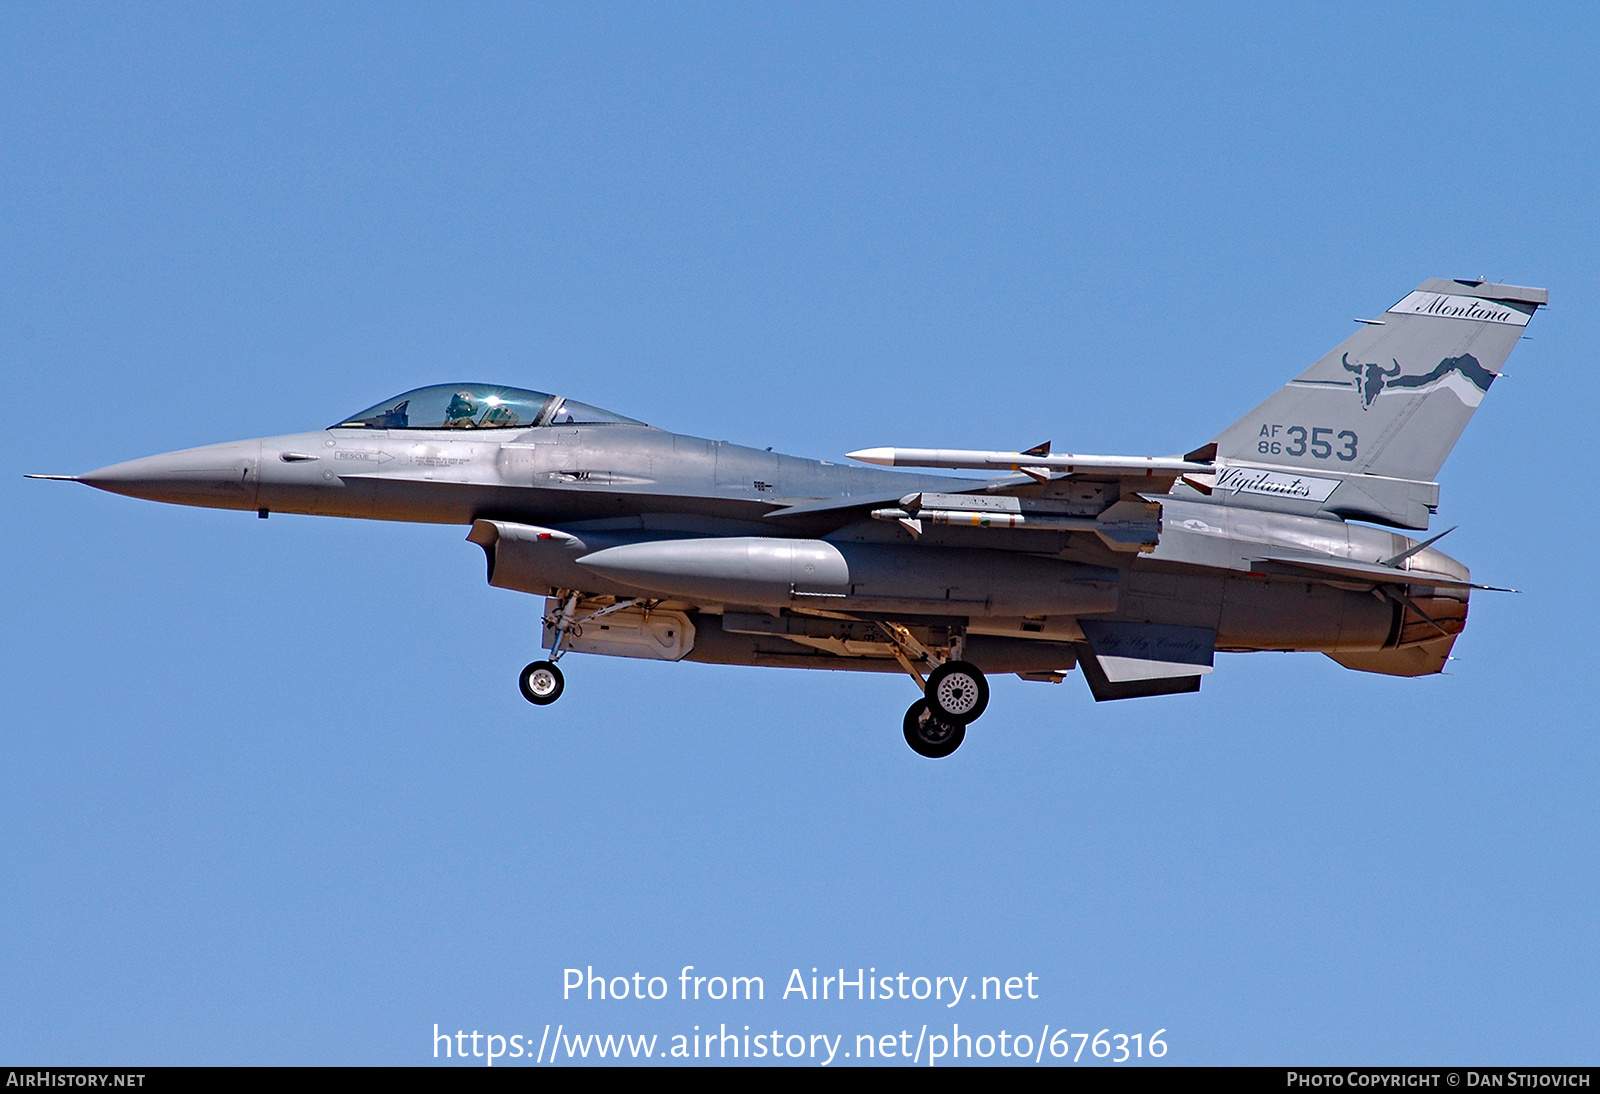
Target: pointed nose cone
pixel 218 476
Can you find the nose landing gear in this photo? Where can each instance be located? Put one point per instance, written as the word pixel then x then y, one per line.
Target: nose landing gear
pixel 541 682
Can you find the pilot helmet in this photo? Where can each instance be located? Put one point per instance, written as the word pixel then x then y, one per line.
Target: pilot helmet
pixel 461 405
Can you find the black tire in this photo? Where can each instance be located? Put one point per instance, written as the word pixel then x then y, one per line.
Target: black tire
pixel 541 683
pixel 957 692
pixel 929 735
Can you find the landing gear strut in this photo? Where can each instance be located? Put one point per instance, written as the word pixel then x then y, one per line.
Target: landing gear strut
pixel 541 682
pixel 953 696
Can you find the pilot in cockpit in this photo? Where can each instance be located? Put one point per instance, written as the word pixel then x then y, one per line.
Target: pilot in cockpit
pixel 460 412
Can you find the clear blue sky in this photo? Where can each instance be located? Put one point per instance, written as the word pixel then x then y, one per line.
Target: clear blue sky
pixel 270 793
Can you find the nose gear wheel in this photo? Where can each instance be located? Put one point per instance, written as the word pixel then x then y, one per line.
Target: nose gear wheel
pixel 541 683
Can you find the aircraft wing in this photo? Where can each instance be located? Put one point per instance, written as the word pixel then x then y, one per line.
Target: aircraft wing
pixel 1351 570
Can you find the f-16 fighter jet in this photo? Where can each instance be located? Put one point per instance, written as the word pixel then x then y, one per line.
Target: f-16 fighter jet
pixel 1136 570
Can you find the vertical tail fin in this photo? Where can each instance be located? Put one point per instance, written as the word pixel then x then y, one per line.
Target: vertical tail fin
pixel 1393 398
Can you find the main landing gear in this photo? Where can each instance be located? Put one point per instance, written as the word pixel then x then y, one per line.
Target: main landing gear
pixel 953 696
pixel 930 735
pixel 956 691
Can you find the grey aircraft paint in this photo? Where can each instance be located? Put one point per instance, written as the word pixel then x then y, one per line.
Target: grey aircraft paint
pixel 646 543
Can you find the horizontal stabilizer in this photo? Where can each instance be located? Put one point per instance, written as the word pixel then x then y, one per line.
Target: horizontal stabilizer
pixel 1422 659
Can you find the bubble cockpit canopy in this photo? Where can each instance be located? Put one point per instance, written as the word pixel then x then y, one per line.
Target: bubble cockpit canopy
pixel 478 406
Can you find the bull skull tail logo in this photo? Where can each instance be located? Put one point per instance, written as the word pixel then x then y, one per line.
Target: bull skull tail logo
pixel 1370 379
